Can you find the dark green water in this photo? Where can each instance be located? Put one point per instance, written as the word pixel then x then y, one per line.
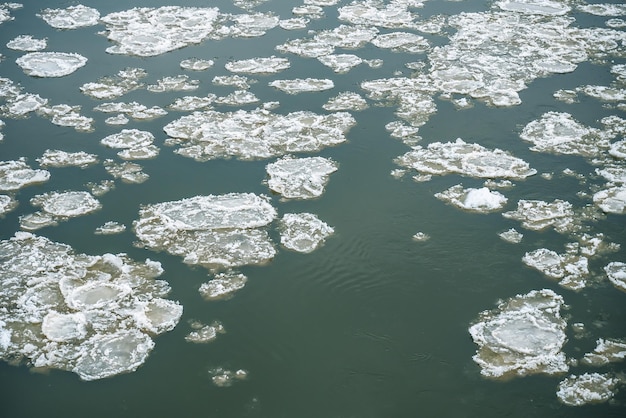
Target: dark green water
pixel 370 325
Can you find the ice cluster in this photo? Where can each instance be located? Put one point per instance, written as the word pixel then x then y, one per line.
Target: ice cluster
pixel 537 215
pixel 196 64
pixel 303 232
pixel 72 17
pixel 91 315
pixel 570 268
pixel 174 83
pixel 302 85
pixel 16 174
pixel 216 232
pixel 300 178
pixel 480 200
pixel 50 64
pixel 203 334
pixel 112 87
pixel 523 336
pixel 346 100
pixel 255 134
pixel 135 110
pixel 58 206
pixel 588 388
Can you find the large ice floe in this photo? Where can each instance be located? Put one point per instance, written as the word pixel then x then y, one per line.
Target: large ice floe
pixel 72 17
pixel 16 174
pixel 50 64
pixel 255 134
pixel 588 388
pixel 153 31
pixel 59 206
pixel 459 157
pixel 523 336
pixel 480 200
pixel 300 178
pixel 303 232
pixel 216 232
pixel 92 315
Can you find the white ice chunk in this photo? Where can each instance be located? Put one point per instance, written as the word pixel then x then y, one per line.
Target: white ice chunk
pixel 303 232
pixel 523 336
pixel 27 43
pixel 302 85
pixel 607 351
pixel 346 101
pixel 203 334
pixel 66 204
pixel 174 83
pixel 611 200
pixel 223 377
pixel 58 158
pixel 618 149
pixel 535 7
pixel 223 285
pixel 538 215
pixel 50 64
pixel 66 115
pixel 300 178
pixel 480 200
pixel 128 138
pixel 128 172
pixel 16 174
pixel 72 17
pixel 588 388
pixel 133 109
pixel 401 42
pixel 616 272
pixel 269 65
pixel 110 228
pixel 374 13
pixel 603 9
pixel 61 327
pixel 113 87
pixel 570 268
pixel 7 204
pixel 512 236
pixel 196 64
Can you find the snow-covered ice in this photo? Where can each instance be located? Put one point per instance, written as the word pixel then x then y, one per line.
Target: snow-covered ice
pixel 50 64
pixel 303 232
pixel 300 178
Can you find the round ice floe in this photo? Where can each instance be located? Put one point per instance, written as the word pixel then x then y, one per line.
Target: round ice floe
pixel 476 200
pixel 611 200
pixel 588 388
pixel 67 204
pixel 300 178
pixel 269 65
pixel 71 18
pixel 301 85
pixel 223 285
pixel 128 138
pixel 17 174
pixel 50 64
pixel 27 43
pixel 203 334
pixel 524 335
pixel 303 232
pixel 158 315
pixel 616 272
pixel 61 327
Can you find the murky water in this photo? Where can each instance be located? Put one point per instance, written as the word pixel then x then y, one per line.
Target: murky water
pixel 366 310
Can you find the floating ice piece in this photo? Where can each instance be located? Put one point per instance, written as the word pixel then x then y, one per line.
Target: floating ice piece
pixel 340 63
pixel 223 285
pixel 117 120
pixel 174 83
pixel 58 158
pixel 512 236
pixel 223 378
pixel 20 105
pixel 561 134
pixel 588 388
pixel 618 149
pixel 50 64
pixel 196 64
pixel 66 115
pixel 128 172
pixel 616 23
pixel 191 103
pixel 16 174
pixel 606 351
pixel 128 138
pixel 73 17
pixel 611 200
pixel 135 110
pixel 537 215
pixel 213 231
pixel 603 9
pixel 271 65
pixel 108 88
pixel 300 178
pixel 303 232
pixel 571 268
pixel 248 4
pixel 616 272
pixel 37 220
pixel 110 228
pixel 203 334
pixel 238 98
pixel 27 43
pixel 65 205
pixel 346 101
pixel 535 7
pixel 255 134
pixel 153 31
pixel 301 85
pixel 480 200
pixel 401 42
pixel 239 81
pixel 471 160
pixel 250 25
pixel 7 204
pixel 51 323
pixel 375 13
pixel 308 48
pixel 5 11
pixel 420 237
pixel 604 93
pixel 523 336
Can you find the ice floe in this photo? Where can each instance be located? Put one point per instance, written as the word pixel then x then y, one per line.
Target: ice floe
pixel 7 204
pixel 223 285
pixel 300 178
pixel 512 236
pixel 222 231
pixel 420 237
pixel 239 81
pixel 588 388
pixel 59 206
pixel 570 268
pixel 401 42
pixel 192 103
pixel 346 101
pixel 603 9
pixel 127 171
pixel 302 85
pixel 59 158
pixel 174 83
pixel 467 159
pixel 523 336
pixel 538 215
pixel 117 120
pixel 112 87
pixel 5 11
pixel 203 334
pixel 340 63
pixel 538 7
pixel 238 98
pixel 616 272
pixel 16 174
pixel 270 65
pixel 135 144
pixel 611 200
pixel 196 64
pixel 303 232
pixel 110 228
pixel 50 64
pixel 394 14
pixel 608 350
pixel 92 315
pixel 72 17
pixel 147 31
pixel 27 43
pixel 21 104
pixel 480 200
pixel 248 25
pixel 255 134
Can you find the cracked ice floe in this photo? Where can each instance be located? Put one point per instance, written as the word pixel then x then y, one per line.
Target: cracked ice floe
pixel 255 134
pixel 174 83
pixel 300 178
pixel 603 9
pixel 7 204
pixel 154 31
pixel 607 351
pixel 127 172
pixel 223 285
pixel 570 269
pixel 108 88
pixel 523 336
pixel 340 63
pixel 21 104
pixel 216 232
pixel 135 110
pixel 270 65
pixel 538 214
pixel 480 200
pixel 92 315
pixel 16 174
pixel 559 133
pixel 110 228
pixel 203 334
pixel 58 158
pixel 588 388
pixel 616 272
pixel 196 64
pixel 395 14
pixel 59 206
pixel 73 17
pixel 471 160
pixel 191 103
pixel 27 43
pixel 301 85
pixel 538 7
pixel 611 200
pixel 401 42
pixel 50 64
pixel 239 81
pixel 303 232
pixel 346 101
pixel 135 144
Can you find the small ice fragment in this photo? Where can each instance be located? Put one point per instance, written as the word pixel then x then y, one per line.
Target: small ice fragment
pixel 16 174
pixel 303 232
pixel 588 388
pixel 611 200
pixel 340 63
pixel 58 158
pixel 223 378
pixel 113 87
pixel 203 334
pixel 420 237
pixel 110 228
pixel 271 65
pixel 128 172
pixel 27 43
pixel 174 83
pixel 538 215
pixel 7 204
pixel 569 268
pixel 50 64
pixel 346 101
pixel 223 285
pixel 616 272
pixel 608 350
pixel 196 64
pixel 301 85
pixel 480 200
pixel 512 236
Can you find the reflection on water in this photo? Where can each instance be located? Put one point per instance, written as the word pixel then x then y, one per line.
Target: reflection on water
pixel 364 208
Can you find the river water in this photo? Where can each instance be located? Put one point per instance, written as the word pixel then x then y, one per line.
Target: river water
pixel 374 322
